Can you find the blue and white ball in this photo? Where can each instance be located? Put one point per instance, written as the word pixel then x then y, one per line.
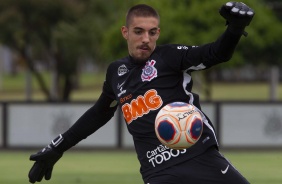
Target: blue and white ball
pixel 179 125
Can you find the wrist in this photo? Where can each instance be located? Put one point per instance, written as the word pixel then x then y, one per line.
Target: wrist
pixel 239 30
pixel 57 141
pixel 60 144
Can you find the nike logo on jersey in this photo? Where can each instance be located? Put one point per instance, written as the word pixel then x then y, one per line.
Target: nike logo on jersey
pixel 120 85
pixel 225 171
pixel 121 92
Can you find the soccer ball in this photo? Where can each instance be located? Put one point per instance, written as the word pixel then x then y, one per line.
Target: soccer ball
pixel 178 125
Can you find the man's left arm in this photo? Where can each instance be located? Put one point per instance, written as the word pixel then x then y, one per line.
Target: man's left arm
pixel 237 16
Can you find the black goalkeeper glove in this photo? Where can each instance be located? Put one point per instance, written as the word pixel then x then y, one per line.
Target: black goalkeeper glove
pixel 45 161
pixel 237 15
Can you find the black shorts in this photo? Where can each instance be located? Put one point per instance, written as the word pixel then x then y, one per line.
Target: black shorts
pixel 210 167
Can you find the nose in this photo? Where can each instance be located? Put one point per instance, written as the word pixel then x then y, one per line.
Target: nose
pixel 146 37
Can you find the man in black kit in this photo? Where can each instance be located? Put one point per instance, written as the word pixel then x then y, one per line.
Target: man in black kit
pixel 141 84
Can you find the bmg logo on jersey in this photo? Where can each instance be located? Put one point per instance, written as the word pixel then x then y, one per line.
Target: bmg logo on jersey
pixel 149 71
pixel 141 105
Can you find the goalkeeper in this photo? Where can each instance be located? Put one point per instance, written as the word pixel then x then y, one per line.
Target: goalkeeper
pixel 141 84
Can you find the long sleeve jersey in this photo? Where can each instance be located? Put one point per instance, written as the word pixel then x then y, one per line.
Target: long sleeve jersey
pixel 142 89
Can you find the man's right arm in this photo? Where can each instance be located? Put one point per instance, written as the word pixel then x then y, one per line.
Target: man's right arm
pixel 94 118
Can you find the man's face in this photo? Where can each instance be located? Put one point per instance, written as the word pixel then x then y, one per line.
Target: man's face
pixel 141 35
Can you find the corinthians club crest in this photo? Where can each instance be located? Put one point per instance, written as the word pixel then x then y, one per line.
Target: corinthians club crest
pixel 149 71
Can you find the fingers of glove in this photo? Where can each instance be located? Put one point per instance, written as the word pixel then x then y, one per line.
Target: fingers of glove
pixel 48 173
pixel 239 8
pixel 35 171
pixel 41 175
pixel 41 154
pixel 34 157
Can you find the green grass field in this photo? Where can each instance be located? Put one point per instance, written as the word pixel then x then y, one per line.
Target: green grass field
pixel 122 167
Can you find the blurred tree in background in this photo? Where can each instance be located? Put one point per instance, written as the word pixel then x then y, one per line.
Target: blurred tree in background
pixel 64 33
pixel 31 28
pixel 59 33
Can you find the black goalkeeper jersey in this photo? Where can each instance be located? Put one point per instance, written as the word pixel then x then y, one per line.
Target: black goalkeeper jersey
pixel 141 90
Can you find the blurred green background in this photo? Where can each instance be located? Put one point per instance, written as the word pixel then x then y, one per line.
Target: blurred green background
pixel 59 50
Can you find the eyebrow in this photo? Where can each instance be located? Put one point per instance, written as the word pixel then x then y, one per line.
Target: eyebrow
pixel 153 29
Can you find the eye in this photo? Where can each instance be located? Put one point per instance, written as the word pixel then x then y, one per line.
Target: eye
pixel 138 32
pixel 153 33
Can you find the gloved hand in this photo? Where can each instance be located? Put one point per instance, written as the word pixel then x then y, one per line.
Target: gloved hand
pixel 44 161
pixel 237 15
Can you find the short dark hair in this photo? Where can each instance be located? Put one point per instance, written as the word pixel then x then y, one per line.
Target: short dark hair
pixel 141 10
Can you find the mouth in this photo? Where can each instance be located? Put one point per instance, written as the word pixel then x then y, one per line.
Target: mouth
pixel 144 48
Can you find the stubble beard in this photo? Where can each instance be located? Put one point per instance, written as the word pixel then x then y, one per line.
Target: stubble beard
pixel 143 58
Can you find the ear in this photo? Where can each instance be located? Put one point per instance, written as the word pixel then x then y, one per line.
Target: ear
pixel 124 32
pixel 158 32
